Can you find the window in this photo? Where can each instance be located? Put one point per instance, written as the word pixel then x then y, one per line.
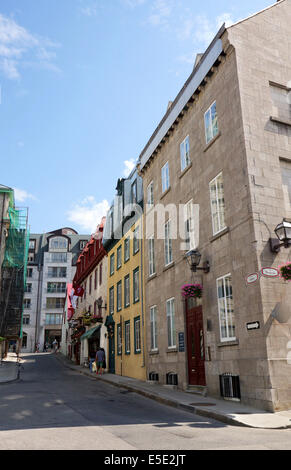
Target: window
pixel 27 303
pixel 217 204
pixel 58 243
pixel 111 300
pixel 151 246
pixel 127 337
pixel 26 320
pixel 286 185
pixel 126 249
pixel 134 192
pixel 119 296
pixel 225 308
pixel 53 319
pixel 57 257
pixel 100 275
pixel 171 323
pixel 56 287
pixel 154 331
pixel 118 258
pixel 165 177
pixel 28 287
pixel 150 195
pixel 31 245
pixel 137 342
pixel 95 278
pixel 211 124
pixel 83 243
pixel 31 257
pixel 126 291
pixel 29 272
pixel 136 240
pixel 112 264
pixel 90 285
pixel 168 244
pixel 55 302
pixel 189 226
pixel 185 153
pixel 136 285
pixel 119 340
pixel 56 271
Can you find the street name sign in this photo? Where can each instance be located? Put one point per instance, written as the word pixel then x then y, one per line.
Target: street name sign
pixel 270 272
pixel 252 278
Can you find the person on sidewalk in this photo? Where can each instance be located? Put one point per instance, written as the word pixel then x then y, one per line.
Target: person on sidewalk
pixel 55 345
pixel 100 356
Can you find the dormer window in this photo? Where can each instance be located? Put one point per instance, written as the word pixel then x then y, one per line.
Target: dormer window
pixel 58 244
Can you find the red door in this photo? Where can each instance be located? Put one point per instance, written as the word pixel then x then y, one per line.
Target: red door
pixel 195 345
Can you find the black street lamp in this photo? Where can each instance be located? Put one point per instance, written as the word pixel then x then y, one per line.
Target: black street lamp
pixel 283 232
pixel 193 258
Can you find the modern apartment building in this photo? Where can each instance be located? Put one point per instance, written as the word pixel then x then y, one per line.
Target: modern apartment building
pixel 52 259
pixel 123 242
pixel 223 152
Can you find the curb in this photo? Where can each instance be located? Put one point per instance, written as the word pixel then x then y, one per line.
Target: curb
pixel 173 403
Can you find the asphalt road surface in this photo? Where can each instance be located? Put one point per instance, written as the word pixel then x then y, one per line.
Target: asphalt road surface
pixel 52 407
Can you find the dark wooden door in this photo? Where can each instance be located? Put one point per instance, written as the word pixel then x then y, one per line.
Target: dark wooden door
pixel 195 345
pixel 111 352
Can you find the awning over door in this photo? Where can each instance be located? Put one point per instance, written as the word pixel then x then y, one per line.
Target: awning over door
pixel 90 332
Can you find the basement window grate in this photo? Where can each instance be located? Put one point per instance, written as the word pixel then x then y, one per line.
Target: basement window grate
pixel 229 386
pixel 172 378
pixel 154 376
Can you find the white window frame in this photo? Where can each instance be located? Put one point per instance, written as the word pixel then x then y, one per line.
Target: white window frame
pixel 127 291
pixel 153 328
pixel 226 313
pixel 220 212
pixel 212 134
pixel 151 248
pixel 168 243
pixel 135 281
pixel 119 296
pixel 165 177
pixel 189 227
pixel 150 195
pixel 127 336
pixel 171 323
pixel 137 335
pixel 185 153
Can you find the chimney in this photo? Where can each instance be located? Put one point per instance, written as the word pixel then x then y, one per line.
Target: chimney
pixel 169 105
pixel 197 60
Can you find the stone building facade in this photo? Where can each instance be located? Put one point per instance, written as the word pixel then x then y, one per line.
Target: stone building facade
pixel 224 145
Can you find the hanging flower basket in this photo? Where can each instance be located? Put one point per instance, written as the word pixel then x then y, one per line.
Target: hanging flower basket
pixel 192 290
pixel 285 271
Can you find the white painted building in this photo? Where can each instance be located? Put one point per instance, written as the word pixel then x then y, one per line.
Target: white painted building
pixel 51 266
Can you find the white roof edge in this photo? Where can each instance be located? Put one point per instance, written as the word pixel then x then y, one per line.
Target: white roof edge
pixel 211 56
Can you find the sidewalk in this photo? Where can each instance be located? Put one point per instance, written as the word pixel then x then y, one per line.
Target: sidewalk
pixel 9 368
pixel 228 412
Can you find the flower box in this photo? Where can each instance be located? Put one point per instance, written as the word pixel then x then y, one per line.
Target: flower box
pixel 285 271
pixel 192 290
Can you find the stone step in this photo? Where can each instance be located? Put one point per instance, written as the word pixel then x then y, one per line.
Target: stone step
pixel 197 390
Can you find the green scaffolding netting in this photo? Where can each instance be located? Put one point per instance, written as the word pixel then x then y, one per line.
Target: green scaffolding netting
pixel 16 250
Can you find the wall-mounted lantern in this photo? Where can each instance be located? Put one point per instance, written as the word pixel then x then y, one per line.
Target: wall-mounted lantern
pixel 283 232
pixel 193 258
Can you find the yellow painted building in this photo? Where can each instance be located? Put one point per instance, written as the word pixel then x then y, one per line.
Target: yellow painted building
pixel 126 315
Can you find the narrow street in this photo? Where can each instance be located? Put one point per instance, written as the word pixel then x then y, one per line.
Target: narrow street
pixel 53 407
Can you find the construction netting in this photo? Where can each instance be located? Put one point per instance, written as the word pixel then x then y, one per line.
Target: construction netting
pixel 14 270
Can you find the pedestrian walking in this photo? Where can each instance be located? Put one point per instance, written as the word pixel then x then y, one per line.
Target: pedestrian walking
pixel 100 356
pixel 55 345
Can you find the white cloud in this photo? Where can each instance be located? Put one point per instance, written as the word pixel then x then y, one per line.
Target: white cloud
pixel 161 13
pixel 19 47
pixel 88 213
pixel 128 167
pixel 21 195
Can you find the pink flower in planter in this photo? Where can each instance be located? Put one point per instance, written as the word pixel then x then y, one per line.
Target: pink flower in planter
pixel 192 290
pixel 285 271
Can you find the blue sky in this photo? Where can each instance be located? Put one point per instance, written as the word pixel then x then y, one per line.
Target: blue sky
pixel 83 84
